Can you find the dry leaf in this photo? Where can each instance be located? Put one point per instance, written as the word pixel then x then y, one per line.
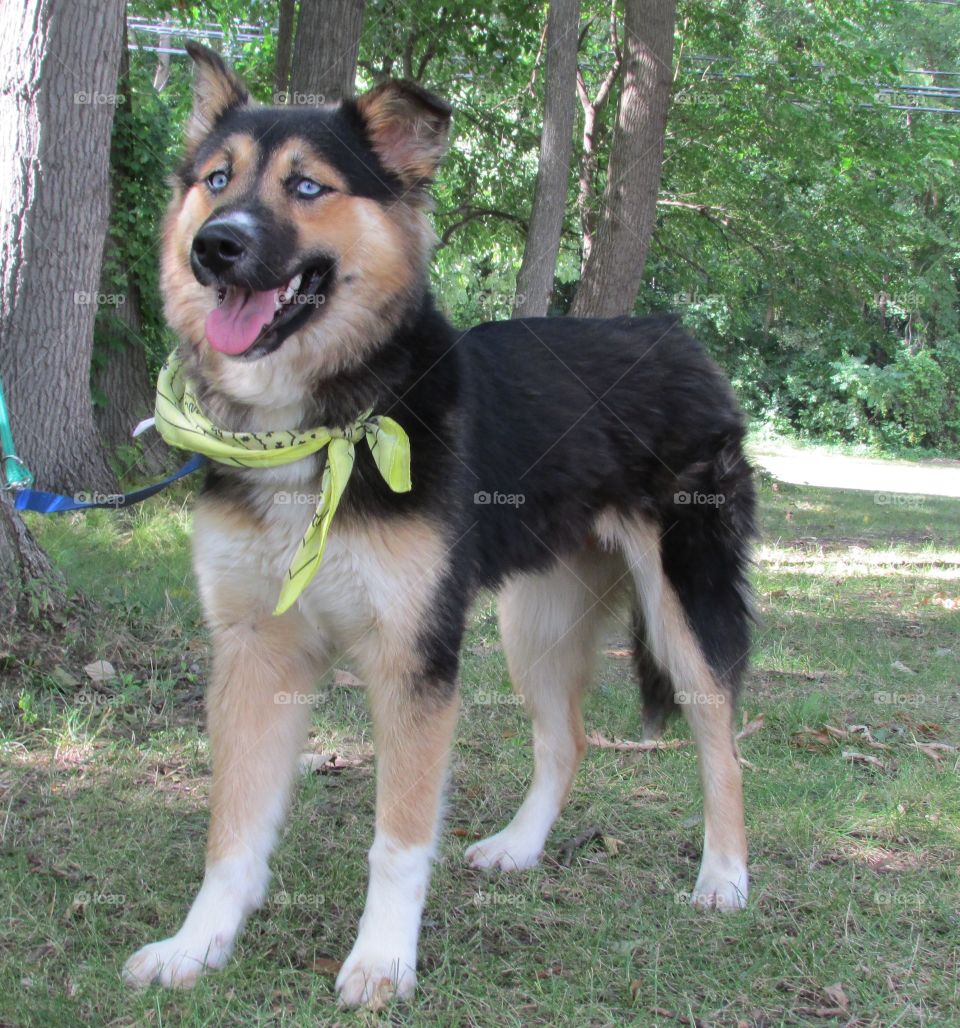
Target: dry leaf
pixel 898 665
pixel 619 651
pixel 612 845
pixel 837 996
pixel 864 758
pixel 326 965
pixel 100 671
pixel 347 679
pixel 935 750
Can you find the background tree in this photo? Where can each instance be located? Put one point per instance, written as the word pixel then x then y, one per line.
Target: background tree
pixel 326 47
pixel 613 271
pixel 58 74
pixel 535 278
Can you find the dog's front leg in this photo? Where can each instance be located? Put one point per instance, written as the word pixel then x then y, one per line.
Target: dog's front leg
pixel 256 709
pixel 413 730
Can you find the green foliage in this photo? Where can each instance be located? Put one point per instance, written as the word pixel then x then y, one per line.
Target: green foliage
pixel 807 231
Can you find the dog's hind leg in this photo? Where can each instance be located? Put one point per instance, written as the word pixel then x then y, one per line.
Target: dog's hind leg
pixel 549 623
pixel 257 706
pixel 704 692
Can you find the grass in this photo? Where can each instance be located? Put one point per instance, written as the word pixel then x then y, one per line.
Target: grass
pixel 853 917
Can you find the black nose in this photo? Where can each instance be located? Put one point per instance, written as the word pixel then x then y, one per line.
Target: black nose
pixel 218 246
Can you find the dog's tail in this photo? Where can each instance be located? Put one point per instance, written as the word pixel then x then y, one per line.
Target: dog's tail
pixel 705 532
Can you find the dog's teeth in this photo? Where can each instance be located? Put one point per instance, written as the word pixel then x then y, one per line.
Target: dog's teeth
pixel 294 283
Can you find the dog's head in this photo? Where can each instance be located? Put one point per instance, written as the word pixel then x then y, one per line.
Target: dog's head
pixel 297 237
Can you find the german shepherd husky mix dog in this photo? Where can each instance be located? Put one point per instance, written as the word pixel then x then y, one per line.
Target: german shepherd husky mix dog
pixel 561 462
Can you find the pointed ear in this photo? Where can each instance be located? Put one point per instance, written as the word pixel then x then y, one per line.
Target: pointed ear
pixel 408 129
pixel 216 90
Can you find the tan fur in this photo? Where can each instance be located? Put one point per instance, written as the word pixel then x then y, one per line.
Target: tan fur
pixel 408 138
pixel 706 705
pixel 379 253
pixel 215 89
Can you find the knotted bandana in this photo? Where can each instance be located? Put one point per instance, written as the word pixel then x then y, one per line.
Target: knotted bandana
pixel 180 420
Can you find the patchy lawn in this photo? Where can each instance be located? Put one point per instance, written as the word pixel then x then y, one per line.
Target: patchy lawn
pixel 853 807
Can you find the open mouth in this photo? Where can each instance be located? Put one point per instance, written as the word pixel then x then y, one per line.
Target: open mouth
pixel 251 323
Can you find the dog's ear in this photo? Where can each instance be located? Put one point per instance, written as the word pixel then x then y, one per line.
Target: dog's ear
pixel 408 129
pixel 216 90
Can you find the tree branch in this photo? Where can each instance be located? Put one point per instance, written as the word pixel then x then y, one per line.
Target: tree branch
pixel 472 214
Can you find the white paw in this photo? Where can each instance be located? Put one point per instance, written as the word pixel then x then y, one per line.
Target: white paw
pixel 721 889
pixel 372 979
pixel 175 963
pixel 508 850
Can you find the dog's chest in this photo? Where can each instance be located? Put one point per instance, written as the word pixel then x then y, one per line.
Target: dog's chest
pixel 375 577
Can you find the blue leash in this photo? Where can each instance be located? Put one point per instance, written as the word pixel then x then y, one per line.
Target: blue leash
pixel 54 503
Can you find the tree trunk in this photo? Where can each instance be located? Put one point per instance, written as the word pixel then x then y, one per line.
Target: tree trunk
pixel 21 560
pixel 126 387
pixel 614 269
pixel 123 381
pixel 58 73
pixel 281 71
pixel 325 51
pixel 535 279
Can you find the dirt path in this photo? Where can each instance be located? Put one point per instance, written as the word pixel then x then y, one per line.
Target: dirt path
pixel 839 471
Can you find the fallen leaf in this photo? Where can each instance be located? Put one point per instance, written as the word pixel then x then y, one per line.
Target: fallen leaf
pixel 854 757
pixel 619 651
pixel 837 996
pixel 100 671
pixel 935 750
pixel 326 965
pixel 612 845
pixel 898 665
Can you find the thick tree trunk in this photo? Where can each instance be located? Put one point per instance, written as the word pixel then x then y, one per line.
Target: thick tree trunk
pixel 58 76
pixel 325 51
pixel 535 279
pixel 614 269
pixel 124 383
pixel 127 388
pixel 281 71
pixel 22 562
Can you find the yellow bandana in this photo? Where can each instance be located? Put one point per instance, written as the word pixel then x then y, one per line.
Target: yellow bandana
pixel 181 422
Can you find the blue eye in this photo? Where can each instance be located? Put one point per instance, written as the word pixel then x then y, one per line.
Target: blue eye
pixel 217 181
pixel 308 189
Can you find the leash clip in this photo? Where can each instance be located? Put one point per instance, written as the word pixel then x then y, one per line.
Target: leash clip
pixel 12 483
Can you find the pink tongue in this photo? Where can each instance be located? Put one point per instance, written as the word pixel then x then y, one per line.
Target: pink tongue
pixel 232 327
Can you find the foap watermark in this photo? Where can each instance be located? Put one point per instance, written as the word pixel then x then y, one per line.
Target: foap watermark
pixel 99 99
pixel 106 899
pixel 89 698
pixel 696 499
pixel 296 699
pixel 495 499
pixel 898 699
pixel 289 499
pixel 492 698
pixel 106 499
pixel 701 699
pixel 306 900
pixel 295 99
pixel 902 501
pixel 84 299
pixel 900 898
pixel 487 898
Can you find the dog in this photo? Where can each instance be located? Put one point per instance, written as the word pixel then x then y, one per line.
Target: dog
pixel 564 463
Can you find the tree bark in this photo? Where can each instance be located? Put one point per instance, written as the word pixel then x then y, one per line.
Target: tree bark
pixel 614 270
pixel 58 74
pixel 123 380
pixel 281 71
pixel 126 385
pixel 535 278
pixel 325 50
pixel 21 560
